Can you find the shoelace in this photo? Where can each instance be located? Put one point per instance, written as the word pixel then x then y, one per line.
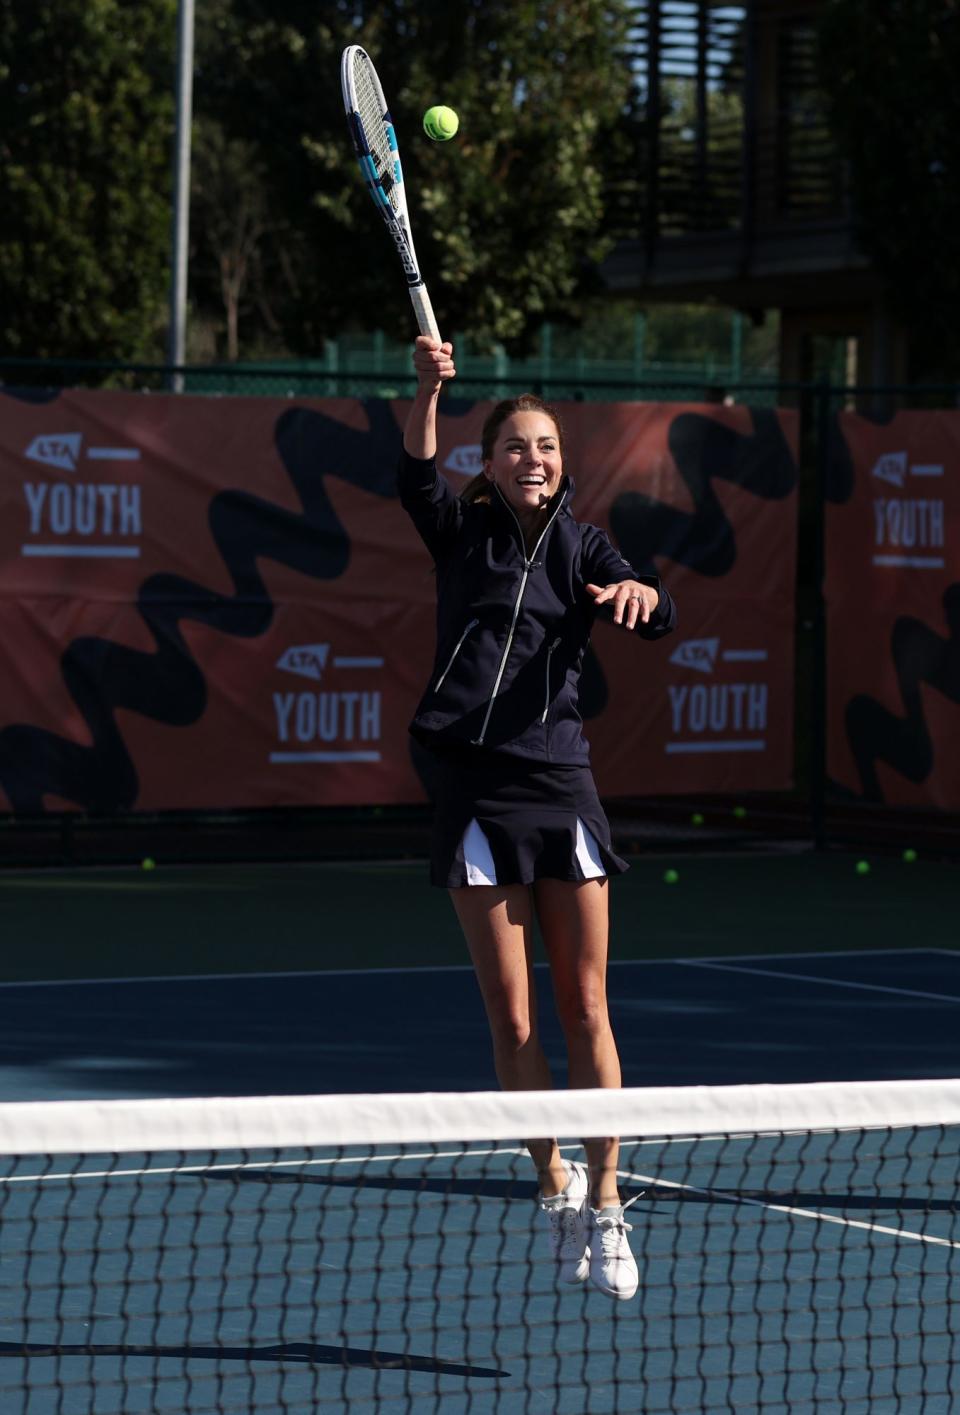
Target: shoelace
pixel 563 1224
pixel 611 1231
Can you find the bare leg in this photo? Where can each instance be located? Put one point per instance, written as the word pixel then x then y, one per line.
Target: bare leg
pixel 498 924
pixel 575 926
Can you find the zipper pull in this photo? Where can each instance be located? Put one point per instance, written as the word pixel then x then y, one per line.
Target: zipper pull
pixel 546 705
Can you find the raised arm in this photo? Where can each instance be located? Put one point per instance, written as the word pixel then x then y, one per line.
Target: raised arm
pixel 424 494
pixel 434 365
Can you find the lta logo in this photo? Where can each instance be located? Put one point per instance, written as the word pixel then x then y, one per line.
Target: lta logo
pixel 342 723
pixel 721 716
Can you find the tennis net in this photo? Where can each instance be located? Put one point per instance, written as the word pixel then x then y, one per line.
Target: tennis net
pixel 797 1249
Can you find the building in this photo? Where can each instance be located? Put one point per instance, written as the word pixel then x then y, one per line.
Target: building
pixel 744 200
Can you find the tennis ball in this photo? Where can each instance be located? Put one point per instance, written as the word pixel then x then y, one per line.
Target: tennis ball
pixel 739 812
pixel 909 855
pixel 148 864
pixel 440 123
pixel 863 867
pixel 670 876
pixel 696 818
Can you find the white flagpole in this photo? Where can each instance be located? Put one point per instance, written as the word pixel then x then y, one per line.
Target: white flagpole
pixel 177 330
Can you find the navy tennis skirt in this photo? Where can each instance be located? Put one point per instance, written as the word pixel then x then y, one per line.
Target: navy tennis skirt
pixel 509 821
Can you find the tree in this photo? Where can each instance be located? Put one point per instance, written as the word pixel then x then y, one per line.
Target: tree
pixel 229 219
pixel 86 109
pixel 506 218
pixel 890 68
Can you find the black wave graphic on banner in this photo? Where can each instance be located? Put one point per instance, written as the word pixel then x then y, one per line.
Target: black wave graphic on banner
pixel 32 395
pixel 167 685
pixel 877 735
pixel 704 450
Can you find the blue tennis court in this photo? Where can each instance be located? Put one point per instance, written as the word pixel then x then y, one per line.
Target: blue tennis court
pixel 723 1021
pixel 787 1272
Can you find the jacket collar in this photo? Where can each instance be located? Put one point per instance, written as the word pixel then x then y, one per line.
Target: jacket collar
pixel 560 500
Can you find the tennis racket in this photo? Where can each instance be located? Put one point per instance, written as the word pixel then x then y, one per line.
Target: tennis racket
pixel 375 141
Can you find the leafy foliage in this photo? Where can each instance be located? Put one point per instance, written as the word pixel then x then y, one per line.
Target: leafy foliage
pixel 85 141
pixel 507 217
pixel 890 69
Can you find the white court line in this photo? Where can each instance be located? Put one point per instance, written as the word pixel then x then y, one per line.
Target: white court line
pixel 812 978
pixel 72 1175
pixel 143 1173
pixel 413 971
pixel 809 953
pixel 726 1197
pixel 233 977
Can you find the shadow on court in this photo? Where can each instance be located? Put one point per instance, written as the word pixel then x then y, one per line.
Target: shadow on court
pixel 510 1190
pixel 309 1353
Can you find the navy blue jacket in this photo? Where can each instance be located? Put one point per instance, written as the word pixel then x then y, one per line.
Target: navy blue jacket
pixel 512 629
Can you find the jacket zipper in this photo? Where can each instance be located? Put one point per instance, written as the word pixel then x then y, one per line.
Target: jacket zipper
pixel 439 683
pixel 528 564
pixel 546 702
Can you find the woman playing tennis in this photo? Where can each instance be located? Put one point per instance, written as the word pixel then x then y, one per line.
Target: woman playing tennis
pixel 519 829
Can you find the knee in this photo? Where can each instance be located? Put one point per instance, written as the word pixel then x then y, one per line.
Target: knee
pixel 511 1029
pixel 583 1014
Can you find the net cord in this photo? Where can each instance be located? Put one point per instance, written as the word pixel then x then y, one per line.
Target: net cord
pixel 273 1122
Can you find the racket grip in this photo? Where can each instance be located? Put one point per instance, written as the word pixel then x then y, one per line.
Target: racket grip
pixel 423 309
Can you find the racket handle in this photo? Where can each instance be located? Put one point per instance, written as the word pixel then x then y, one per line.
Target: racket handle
pixel 423 309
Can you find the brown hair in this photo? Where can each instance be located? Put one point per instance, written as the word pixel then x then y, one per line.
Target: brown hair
pixel 478 488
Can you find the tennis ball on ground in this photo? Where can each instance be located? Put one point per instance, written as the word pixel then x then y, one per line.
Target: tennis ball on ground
pixel 670 876
pixel 696 818
pixel 909 855
pixel 862 867
pixel 440 123
pixel 739 812
pixel 148 864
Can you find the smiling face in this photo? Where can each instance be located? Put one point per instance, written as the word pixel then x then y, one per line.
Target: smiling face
pixel 526 464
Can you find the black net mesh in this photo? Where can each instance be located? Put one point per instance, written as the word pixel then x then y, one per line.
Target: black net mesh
pixel 804 1270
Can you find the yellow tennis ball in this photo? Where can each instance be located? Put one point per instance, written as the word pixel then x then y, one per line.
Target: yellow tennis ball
pixel 440 123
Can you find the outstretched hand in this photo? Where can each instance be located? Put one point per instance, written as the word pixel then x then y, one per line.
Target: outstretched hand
pixel 631 601
pixel 433 362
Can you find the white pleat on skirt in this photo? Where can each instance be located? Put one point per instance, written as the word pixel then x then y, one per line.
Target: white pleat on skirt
pixel 481 869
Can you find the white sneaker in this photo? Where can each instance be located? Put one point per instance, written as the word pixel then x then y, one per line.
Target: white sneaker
pixel 568 1229
pixel 613 1268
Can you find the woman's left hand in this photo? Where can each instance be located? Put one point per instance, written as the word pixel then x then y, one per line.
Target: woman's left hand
pixel 631 601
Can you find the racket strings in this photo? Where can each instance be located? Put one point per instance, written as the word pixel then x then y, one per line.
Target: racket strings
pixel 374 127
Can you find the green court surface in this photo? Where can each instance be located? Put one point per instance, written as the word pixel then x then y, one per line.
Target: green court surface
pixel 193 919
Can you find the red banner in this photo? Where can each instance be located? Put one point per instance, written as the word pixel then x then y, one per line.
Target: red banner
pixel 893 603
pixel 219 602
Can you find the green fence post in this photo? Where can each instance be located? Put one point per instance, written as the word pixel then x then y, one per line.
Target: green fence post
pixel 639 343
pixel 546 359
pixel 818 675
pixel 736 347
pixel 331 365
